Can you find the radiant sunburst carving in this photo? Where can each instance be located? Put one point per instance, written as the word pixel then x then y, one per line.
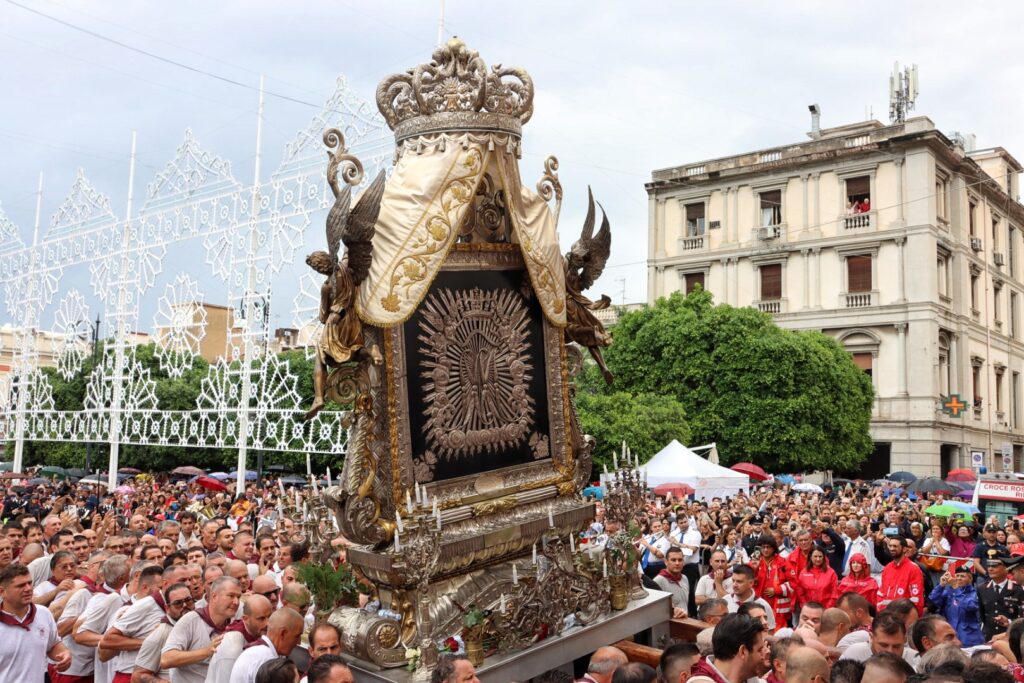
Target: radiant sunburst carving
pixel 477 371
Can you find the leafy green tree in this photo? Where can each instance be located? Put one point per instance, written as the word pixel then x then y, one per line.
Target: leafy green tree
pixel 786 400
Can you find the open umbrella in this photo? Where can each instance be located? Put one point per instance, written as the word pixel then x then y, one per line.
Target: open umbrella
pixel 279 467
pixel 211 484
pixel 930 485
pixel 753 471
pixel 961 475
pixel 677 489
pixel 219 475
pixel 965 508
pixel 100 479
pixel 965 494
pixel 53 471
pixel 249 476
pixel 294 480
pixel 129 470
pixel 39 481
pixel 787 479
pixel 188 471
pixel 901 477
pixel 124 489
pixel 77 472
pixel 14 475
pixel 839 483
pixel 595 492
pixel 806 487
pixel 944 510
pixel 6 466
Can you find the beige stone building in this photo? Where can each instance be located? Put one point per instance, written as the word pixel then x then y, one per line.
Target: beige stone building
pixel 894 239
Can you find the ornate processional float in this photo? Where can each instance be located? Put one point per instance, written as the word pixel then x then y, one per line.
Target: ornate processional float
pixel 452 325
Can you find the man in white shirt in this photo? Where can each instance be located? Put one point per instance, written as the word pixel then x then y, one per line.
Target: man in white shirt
pixel 743 591
pixel 63 568
pixel 284 631
pixel 690 540
pixel 90 627
pixel 194 639
pixel 179 602
pixel 256 611
pixel 28 634
pixel 888 634
pixel 717 583
pixel 81 656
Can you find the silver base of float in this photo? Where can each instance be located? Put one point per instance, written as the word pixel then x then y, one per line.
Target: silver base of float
pixel 652 612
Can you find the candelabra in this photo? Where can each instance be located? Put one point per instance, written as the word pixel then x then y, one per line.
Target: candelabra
pixel 417 559
pixel 624 501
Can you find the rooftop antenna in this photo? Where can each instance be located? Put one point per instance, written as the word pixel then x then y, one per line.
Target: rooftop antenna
pixel 622 281
pixel 903 92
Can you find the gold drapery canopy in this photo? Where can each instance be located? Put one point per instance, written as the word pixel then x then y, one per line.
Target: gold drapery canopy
pixel 426 200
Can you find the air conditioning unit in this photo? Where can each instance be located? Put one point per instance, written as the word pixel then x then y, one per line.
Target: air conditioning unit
pixel 769 233
pixel 714 225
pixel 998 259
pixel 976 243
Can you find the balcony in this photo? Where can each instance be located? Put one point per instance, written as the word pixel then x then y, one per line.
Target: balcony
pixel 859 220
pixel 859 299
pixel 691 243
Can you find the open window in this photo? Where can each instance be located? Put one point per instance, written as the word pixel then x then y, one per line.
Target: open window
pixel 858 195
pixel 771 208
pixel 695 219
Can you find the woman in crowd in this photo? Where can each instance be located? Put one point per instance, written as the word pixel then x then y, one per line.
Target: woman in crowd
pixel 859 580
pixel 817 582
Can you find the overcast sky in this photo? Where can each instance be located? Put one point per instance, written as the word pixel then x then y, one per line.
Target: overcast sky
pixel 622 88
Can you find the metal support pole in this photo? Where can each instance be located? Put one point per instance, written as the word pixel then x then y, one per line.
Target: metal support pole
pixel 121 332
pixel 95 349
pixel 250 314
pixel 27 327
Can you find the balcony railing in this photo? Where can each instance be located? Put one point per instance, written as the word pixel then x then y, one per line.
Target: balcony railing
pixel 859 220
pixel 772 306
pixel 691 243
pixel 860 299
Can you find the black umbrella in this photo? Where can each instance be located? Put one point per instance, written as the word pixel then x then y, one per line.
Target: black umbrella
pixel 279 467
pixel 77 472
pixel 929 485
pixel 901 477
pixel 841 482
pixel 294 480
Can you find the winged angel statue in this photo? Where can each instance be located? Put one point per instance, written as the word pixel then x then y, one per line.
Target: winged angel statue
pixel 342 339
pixel 583 266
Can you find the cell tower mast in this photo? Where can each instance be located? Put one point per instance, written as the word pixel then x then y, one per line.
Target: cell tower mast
pixel 902 92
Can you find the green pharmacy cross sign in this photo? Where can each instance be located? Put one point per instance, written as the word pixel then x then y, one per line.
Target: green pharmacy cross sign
pixel 953 406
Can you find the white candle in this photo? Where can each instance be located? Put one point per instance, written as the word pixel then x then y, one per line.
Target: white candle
pixel 604 567
pixel 309 466
pixel 408 502
pixel 280 485
pixel 398 544
pixel 328 476
pixel 615 461
pixel 515 575
pixel 502 603
pixel 572 543
pixel 316 486
pixel 605 466
pixel 551 518
pixel 438 518
pixel 419 494
pixel 305 511
pixel 398 522
pixel 426 498
pixel 535 553
pixel 624 452
pixel 296 499
pixel 434 510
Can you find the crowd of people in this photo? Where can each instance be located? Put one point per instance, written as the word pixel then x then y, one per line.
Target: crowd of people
pixel 170 582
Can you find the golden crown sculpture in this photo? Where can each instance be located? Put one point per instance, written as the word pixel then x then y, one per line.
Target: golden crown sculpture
pixel 456 92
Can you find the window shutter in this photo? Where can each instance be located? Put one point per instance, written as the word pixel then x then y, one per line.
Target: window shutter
pixel 858 273
pixel 771 282
pixel 863 361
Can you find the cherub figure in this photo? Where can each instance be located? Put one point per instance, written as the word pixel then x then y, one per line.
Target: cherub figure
pixel 583 266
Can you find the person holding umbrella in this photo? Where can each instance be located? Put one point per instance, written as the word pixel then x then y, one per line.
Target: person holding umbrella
pixel 956 599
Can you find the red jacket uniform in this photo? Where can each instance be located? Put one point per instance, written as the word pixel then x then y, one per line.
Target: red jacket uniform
pixel 817 585
pixel 864 583
pixel 901 580
pixel 778 575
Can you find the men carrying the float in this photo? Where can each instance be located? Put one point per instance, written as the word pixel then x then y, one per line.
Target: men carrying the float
pixel 284 631
pixel 256 611
pixel 88 630
pixel 194 639
pixel 28 634
pixel 82 657
pixel 179 602
pixel 672 580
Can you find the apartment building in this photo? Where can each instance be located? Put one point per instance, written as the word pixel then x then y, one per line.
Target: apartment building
pixel 901 242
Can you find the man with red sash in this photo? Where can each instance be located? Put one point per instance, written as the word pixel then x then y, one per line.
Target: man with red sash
pixel 89 628
pixel 672 580
pixel 196 636
pixel 81 667
pixel 179 601
pixel 130 629
pixel 284 631
pixel 256 611
pixel 775 581
pixel 28 634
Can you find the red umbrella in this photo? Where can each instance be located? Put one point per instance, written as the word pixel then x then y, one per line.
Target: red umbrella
pixel 751 470
pixel 961 475
pixel 129 470
pixel 677 489
pixel 15 475
pixel 211 484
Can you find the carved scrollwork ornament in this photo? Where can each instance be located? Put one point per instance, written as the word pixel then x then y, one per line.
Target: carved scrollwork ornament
pixel 549 187
pixel 340 162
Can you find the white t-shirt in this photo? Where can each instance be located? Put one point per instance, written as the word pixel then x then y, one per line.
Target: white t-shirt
pixel 148 657
pixel 734 605
pixel 97 616
pixel 853 638
pixel 862 653
pixel 250 661
pixel 190 633
pixel 138 621
pixel 223 661
pixel 81 655
pixel 23 648
pixel 706 587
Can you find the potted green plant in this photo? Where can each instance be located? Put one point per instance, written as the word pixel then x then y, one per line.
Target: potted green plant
pixel 473 622
pixel 329 586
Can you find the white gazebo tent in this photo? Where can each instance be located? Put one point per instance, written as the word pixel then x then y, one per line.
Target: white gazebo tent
pixel 677 463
